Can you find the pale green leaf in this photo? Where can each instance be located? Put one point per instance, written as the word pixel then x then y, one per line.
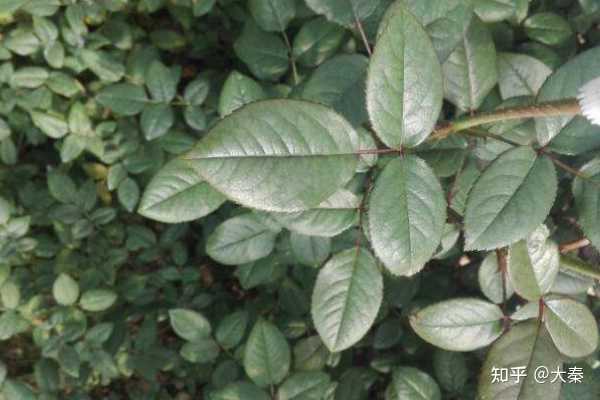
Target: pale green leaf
pixel 587 200
pixel 267 355
pixel 316 41
pixel 340 84
pixel 548 28
pixel 470 72
pixel 533 264
pixel 520 75
pixel 178 194
pixel 273 15
pixel 123 98
pixel 330 218
pixel 189 325
pixel 53 125
pixel 528 345
pixel 65 290
pixel 512 197
pixel 404 83
pixel 156 120
pixel 343 12
pixel 240 240
pixel 304 386
pixel 412 383
pixel 445 21
pixel 491 280
pixel 265 146
pixel 459 325
pixel 346 298
pixel 97 299
pixel 407 213
pixel 572 326
pixel 238 90
pixel 264 53
pixel 565 83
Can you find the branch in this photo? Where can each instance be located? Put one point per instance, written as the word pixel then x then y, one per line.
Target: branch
pixel 549 109
pixel 580 267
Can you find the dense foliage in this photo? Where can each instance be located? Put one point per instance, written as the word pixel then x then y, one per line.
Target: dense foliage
pixel 299 199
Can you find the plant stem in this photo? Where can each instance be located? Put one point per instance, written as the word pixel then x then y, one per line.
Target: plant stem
pixel 363 36
pixel 549 109
pixel 292 58
pixel 575 245
pixel 579 267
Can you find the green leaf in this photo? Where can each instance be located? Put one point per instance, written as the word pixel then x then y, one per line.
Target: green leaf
pixel 29 77
pixel 238 90
pixel 528 345
pixel 250 155
pixel 162 82
pixel 459 325
pixel 518 180
pixel 343 12
pixel 267 355
pixel 406 238
pixel 62 187
pixel 562 84
pixel 14 390
pixel 156 120
pixel 340 84
pixel 411 383
pixel 330 218
pixel 265 54
pixel 310 250
pixel 189 324
pixel 548 28
pixel 201 351
pixel 316 41
pixel 587 194
pixel 451 370
pixel 123 98
pixel 129 194
pixel 520 75
pixel 65 290
pixel 178 194
pixel 446 22
pixel 197 91
pixel 572 326
pixel 490 280
pixel 404 83
pixel 495 10
pixel 10 6
pixel 103 64
pixel 240 240
pixel 10 294
pixel 304 386
pixel 97 299
pixel 346 298
pixel 79 121
pixel 470 72
pixel 52 125
pixel 240 391
pixel 273 15
pixel 4 129
pixel 533 264
pixel 231 329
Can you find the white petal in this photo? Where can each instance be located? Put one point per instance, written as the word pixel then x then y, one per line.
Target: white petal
pixel 589 100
